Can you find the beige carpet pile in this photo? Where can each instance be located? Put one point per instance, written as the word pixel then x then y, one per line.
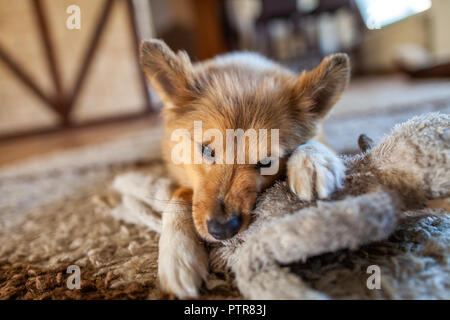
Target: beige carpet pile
pixel 55 211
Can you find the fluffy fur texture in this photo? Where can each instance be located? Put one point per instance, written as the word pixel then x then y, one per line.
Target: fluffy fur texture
pixel 238 91
pixel 314 170
pixel 408 167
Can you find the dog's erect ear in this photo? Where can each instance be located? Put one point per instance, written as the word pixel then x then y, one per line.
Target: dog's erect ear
pixel 169 73
pixel 322 87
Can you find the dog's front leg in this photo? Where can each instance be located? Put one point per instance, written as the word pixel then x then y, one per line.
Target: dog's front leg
pixel 314 170
pixel 182 262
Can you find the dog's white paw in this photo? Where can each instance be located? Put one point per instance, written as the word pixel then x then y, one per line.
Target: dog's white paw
pixel 182 262
pixel 313 169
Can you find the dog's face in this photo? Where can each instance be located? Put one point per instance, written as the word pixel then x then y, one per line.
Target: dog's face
pixel 277 109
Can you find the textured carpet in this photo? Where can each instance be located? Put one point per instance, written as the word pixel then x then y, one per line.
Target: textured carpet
pixel 52 216
pixel 119 260
pixel 54 213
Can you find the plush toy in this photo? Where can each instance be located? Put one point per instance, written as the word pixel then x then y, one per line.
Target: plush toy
pixel 407 168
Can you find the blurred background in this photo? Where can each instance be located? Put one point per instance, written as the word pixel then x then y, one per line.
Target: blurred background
pixel 69 74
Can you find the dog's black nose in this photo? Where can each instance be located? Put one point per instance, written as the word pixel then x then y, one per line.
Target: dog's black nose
pixel 222 230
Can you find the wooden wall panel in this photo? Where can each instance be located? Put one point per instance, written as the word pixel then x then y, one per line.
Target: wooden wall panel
pixel 112 85
pixel 19 109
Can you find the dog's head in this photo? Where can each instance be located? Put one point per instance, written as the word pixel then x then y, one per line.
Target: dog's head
pixel 206 104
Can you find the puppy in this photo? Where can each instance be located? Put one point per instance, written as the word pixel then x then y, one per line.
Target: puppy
pixel 231 92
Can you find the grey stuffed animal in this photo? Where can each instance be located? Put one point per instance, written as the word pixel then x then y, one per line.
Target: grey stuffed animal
pixel 407 168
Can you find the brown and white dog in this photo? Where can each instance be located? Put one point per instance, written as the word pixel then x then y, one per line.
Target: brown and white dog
pixel 235 91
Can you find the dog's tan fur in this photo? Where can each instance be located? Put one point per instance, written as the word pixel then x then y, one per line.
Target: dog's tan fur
pixel 240 90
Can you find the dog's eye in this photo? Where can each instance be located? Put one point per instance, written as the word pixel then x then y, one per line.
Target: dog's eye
pixel 208 153
pixel 265 163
